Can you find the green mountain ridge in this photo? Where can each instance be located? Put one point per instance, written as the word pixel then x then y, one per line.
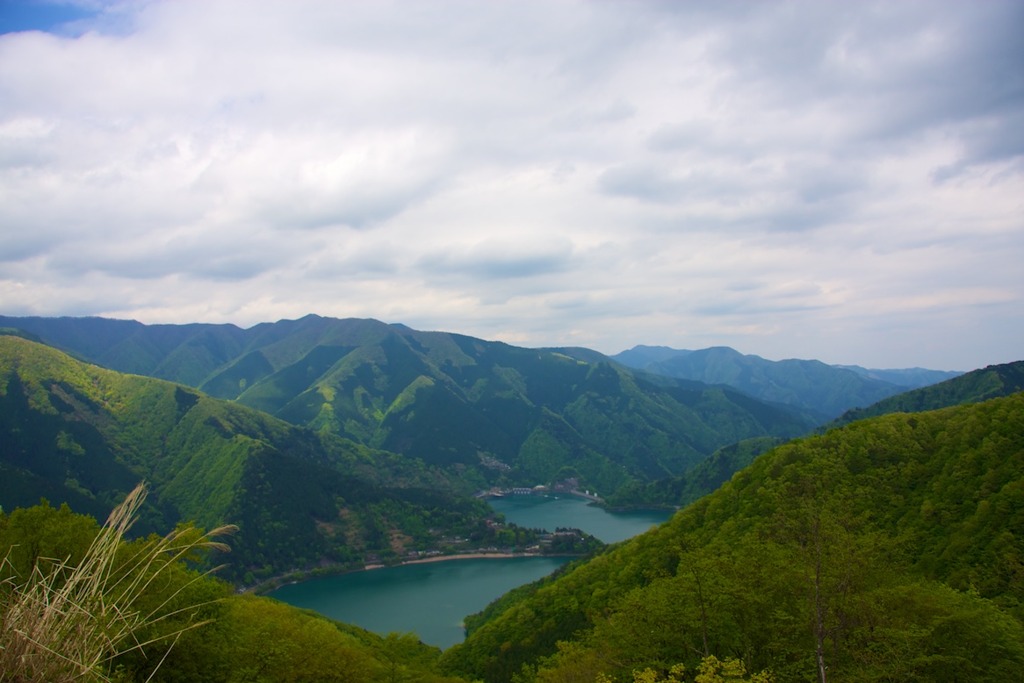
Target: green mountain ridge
pixel 888 549
pixel 826 391
pixel 704 477
pixel 991 381
pixel 497 413
pixel 78 433
pixel 696 482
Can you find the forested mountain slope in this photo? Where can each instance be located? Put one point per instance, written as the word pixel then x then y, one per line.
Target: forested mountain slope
pixel 74 432
pixel 888 549
pixel 180 353
pixel 700 480
pixel 825 390
pixel 979 385
pixel 495 412
pixel 706 476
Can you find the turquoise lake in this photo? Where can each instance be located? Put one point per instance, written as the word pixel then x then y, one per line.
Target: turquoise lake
pixel 548 512
pixel 432 599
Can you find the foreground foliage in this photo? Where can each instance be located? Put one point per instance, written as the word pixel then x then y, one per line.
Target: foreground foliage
pixel 891 549
pixel 120 610
pixel 710 670
pixel 65 620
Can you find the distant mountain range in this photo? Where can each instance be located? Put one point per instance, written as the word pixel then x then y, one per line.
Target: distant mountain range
pixel 492 412
pixel 825 391
pixel 994 381
pixel 991 381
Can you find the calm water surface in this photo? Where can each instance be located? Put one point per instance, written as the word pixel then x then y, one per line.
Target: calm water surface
pixel 548 512
pixel 429 599
pixel 432 599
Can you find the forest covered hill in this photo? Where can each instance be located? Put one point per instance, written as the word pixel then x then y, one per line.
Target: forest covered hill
pixel 888 549
pixel 497 413
pixel 76 433
pixel 972 387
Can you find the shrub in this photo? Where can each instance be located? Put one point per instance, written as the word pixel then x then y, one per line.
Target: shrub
pixel 68 621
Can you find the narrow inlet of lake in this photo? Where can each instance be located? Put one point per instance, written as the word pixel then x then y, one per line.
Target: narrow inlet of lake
pixel 551 512
pixel 431 599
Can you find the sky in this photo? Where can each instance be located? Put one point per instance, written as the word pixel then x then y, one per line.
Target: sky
pixel 830 180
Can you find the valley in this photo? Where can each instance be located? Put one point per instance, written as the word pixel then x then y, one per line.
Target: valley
pixel 337 445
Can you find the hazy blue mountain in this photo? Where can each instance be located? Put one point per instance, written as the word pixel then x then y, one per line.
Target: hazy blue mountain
pixel 909 378
pixel 642 356
pixel 991 381
pixel 826 390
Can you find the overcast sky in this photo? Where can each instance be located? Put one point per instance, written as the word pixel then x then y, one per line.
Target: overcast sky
pixel 841 181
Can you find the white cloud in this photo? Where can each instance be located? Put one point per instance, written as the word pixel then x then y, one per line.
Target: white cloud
pixel 797 179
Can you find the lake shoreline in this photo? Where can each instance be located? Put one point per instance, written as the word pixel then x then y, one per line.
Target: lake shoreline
pixel 431 591
pixel 462 556
pixel 298 576
pixel 582 503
